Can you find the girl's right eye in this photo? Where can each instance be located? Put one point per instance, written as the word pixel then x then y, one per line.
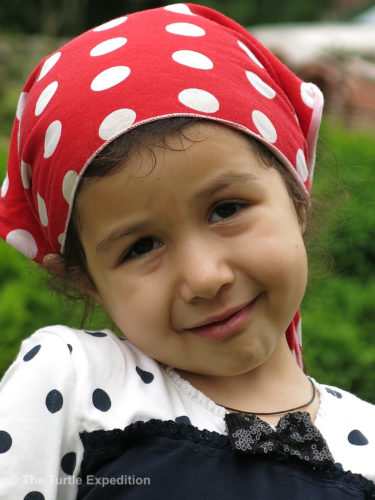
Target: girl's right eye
pixel 141 247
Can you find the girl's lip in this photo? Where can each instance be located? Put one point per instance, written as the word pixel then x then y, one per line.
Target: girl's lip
pixel 223 325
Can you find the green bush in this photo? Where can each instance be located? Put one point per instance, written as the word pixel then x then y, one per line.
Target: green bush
pixel 338 311
pixel 339 306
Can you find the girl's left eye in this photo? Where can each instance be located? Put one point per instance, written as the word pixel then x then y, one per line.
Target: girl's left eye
pixel 226 209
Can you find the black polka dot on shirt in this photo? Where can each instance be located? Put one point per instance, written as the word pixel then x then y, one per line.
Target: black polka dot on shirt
pixel 54 401
pixel 183 419
pixel 33 352
pixel 337 394
pixel 68 462
pixel 5 441
pixel 101 400
pixel 147 377
pixel 96 334
pixel 34 495
pixel 357 438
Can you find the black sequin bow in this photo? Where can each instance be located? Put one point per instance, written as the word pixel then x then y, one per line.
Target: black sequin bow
pixel 295 435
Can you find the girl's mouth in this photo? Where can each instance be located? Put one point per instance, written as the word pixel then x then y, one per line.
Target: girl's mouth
pixel 231 323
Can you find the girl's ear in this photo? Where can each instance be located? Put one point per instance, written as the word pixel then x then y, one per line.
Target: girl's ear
pixel 55 265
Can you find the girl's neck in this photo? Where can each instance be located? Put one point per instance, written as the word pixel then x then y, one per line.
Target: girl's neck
pixel 276 385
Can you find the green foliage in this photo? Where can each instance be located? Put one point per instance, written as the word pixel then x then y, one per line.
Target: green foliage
pixel 19 55
pixel 353 243
pixel 339 306
pixel 26 304
pixel 70 17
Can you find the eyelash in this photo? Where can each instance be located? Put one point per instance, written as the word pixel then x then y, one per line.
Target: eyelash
pixel 129 254
pixel 238 204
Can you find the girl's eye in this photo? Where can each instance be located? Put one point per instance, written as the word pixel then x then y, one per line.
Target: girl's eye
pixel 141 247
pixel 225 210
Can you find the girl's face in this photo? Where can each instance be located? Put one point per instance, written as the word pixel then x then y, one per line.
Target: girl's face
pixel 199 260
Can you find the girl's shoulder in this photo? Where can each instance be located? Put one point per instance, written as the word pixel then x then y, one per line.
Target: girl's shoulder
pixel 340 409
pixel 97 361
pixel 65 382
pixel 336 401
pixel 102 379
pixel 348 425
pixel 83 350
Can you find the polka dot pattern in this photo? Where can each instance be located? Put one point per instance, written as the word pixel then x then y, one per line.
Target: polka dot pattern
pixel 116 122
pixel 146 376
pixel 45 98
pixel 54 401
pixel 34 495
pixel 301 165
pixel 308 94
pixel 356 438
pixel 21 104
pixel 109 78
pixel 185 29
pixel 5 441
pixel 183 38
pixel 108 46
pixel 96 334
pixel 111 24
pixel 334 393
pixel 23 241
pixel 264 126
pixel 32 353
pixel 5 186
pixel 192 59
pixel 199 100
pixel 52 138
pixel 69 185
pixel 260 85
pixel 183 419
pixel 101 400
pixel 49 64
pixel 179 8
pixel 61 239
pixel 250 54
pixel 42 211
pixel 68 462
pixel 26 173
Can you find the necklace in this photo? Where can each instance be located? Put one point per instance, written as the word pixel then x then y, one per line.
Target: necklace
pixel 278 412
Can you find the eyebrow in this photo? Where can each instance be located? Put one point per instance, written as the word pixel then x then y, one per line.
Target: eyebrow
pixel 231 179
pixel 221 183
pixel 118 234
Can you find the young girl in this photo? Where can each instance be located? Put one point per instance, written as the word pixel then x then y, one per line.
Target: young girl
pixel 161 163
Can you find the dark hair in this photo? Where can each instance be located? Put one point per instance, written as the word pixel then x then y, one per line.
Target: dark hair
pixel 113 157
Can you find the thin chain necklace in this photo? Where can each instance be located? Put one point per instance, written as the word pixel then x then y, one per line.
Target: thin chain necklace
pixel 278 412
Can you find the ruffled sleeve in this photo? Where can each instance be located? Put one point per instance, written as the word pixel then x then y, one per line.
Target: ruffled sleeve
pixel 40 447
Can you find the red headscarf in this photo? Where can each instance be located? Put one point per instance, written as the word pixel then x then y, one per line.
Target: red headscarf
pixel 180 60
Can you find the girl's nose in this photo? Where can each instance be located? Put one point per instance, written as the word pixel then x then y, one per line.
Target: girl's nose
pixel 203 273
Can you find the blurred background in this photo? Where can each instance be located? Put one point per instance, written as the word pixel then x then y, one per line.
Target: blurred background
pixel 329 42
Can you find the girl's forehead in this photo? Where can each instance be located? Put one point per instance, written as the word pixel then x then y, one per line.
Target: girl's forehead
pixel 181 60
